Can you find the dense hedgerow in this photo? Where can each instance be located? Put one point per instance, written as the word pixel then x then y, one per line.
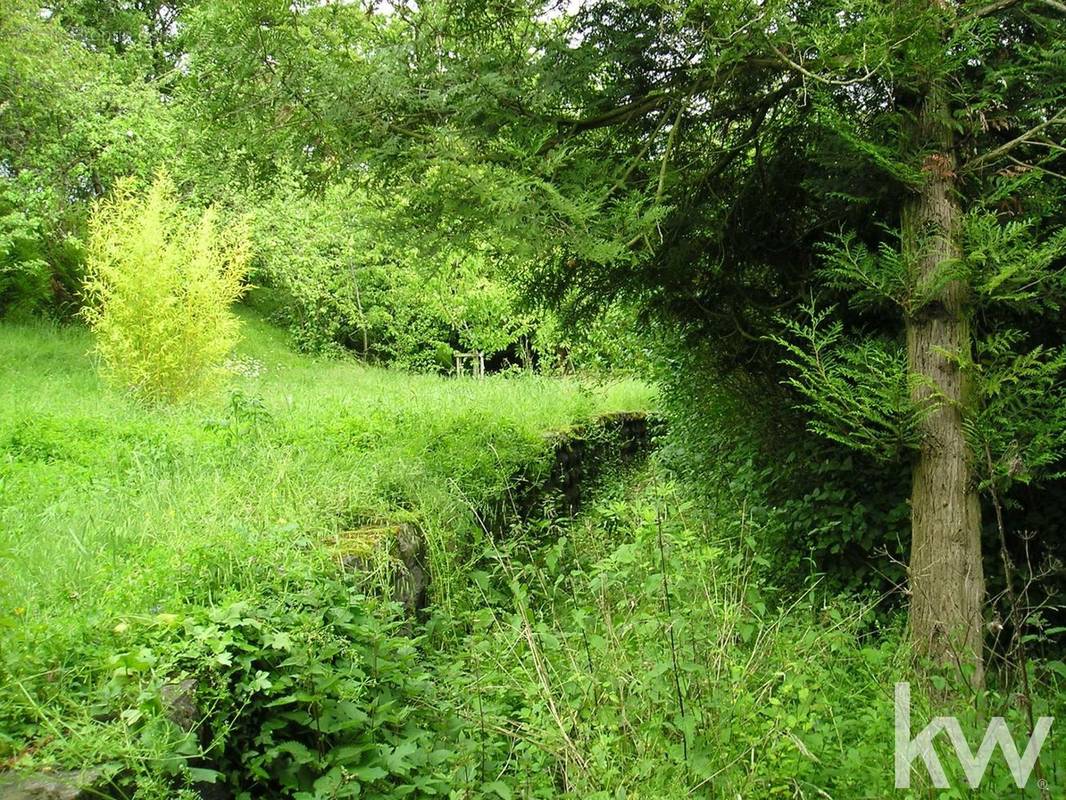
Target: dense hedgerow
pixel 822 508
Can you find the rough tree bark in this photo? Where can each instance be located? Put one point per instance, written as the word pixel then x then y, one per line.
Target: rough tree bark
pixel 945 572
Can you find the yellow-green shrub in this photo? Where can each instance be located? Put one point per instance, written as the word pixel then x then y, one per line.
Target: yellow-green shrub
pixel 159 286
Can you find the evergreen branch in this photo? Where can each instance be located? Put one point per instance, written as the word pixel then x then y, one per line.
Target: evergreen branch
pixel 856 392
pixel 655 99
pixel 991 155
pixel 870 72
pixel 760 110
pixel 875 278
pixel 624 177
pixel 671 137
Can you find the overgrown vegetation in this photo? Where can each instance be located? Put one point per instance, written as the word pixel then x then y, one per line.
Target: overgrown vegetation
pixel 305 305
pixel 121 521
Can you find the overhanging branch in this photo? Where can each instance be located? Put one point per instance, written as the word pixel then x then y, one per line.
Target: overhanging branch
pixel 1001 5
pixel 652 101
pixel 1003 149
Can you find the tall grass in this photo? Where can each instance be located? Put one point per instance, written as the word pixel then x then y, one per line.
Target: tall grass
pixel 642 652
pixel 111 512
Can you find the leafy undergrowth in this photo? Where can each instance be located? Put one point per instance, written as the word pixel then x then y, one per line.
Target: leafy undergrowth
pixel 637 651
pixel 125 529
pixel 640 652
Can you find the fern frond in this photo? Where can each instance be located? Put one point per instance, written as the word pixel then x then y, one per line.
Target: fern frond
pixel 856 392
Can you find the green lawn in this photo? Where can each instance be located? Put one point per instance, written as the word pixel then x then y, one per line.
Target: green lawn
pixel 114 515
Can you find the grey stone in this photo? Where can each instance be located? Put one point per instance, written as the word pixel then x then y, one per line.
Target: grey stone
pixel 179 704
pixel 412 578
pixel 409 543
pixel 73 785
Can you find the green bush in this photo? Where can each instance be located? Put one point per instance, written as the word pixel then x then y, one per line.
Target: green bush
pixel 814 505
pixel 158 290
pixel 309 693
pixel 344 285
pixel 335 271
pixel 24 274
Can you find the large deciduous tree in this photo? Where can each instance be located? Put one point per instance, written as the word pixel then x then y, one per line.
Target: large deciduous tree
pixel 74 119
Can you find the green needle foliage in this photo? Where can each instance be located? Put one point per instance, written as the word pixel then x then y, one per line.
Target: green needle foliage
pixel 856 392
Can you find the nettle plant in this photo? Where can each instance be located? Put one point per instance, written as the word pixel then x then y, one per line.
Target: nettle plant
pixel 158 289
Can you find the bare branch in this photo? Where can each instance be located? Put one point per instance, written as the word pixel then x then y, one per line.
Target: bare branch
pixel 662 97
pixel 992 8
pixel 666 154
pixel 1000 5
pixel 1037 167
pixel 1055 4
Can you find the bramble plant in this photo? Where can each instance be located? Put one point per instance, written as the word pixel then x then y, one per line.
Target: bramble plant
pixel 159 285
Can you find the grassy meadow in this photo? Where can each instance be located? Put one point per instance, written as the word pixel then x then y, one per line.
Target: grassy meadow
pixel 642 649
pixel 770 297
pixel 117 515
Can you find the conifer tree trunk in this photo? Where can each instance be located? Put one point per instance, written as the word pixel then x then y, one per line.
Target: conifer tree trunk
pixel 946 574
